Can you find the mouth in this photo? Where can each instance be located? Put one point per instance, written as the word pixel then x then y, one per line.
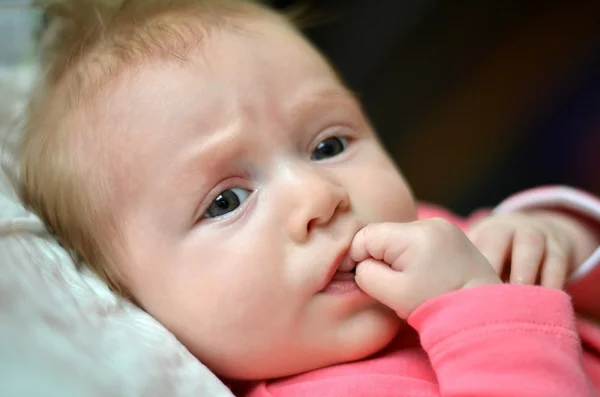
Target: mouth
pixel 342 269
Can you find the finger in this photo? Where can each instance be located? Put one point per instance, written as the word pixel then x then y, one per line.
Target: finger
pixel 555 268
pixel 528 251
pixel 494 244
pixel 382 241
pixel 383 283
pixel 367 243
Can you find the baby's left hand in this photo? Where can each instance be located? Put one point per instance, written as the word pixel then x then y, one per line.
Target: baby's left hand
pixel 539 246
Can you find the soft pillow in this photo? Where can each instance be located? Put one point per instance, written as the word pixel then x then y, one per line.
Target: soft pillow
pixel 62 332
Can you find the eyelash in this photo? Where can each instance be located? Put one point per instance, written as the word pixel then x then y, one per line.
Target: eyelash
pixel 341 131
pixel 230 183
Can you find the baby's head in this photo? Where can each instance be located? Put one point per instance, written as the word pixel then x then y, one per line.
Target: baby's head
pixel 204 159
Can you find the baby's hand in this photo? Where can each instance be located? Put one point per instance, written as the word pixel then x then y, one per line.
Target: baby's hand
pixel 538 246
pixel 405 264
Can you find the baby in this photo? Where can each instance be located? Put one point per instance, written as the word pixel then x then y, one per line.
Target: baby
pixel 208 163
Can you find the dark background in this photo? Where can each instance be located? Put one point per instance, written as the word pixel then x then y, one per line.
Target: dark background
pixel 475 100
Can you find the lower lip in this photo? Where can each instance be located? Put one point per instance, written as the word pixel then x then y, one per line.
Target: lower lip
pixel 337 287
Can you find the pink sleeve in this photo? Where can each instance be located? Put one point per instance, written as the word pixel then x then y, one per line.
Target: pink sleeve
pixel 503 340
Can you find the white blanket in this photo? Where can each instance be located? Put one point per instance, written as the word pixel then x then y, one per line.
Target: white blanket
pixel 62 332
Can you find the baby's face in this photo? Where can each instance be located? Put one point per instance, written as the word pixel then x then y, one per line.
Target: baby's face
pixel 245 173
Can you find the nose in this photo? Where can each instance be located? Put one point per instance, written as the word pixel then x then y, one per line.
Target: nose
pixel 314 199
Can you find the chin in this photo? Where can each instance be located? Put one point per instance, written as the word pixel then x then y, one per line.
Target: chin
pixel 363 334
pixel 370 332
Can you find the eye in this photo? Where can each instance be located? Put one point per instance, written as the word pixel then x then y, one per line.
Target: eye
pixel 226 202
pixel 329 147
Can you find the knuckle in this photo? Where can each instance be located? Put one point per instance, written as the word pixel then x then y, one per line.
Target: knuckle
pixel 532 238
pixel 558 255
pixel 369 232
pixel 555 239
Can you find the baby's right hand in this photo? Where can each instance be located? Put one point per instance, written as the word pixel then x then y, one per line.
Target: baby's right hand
pixel 405 264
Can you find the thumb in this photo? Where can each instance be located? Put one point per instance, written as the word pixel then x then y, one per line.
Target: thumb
pixel 383 283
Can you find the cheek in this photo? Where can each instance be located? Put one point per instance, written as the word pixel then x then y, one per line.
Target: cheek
pixel 380 193
pixel 226 290
pixel 231 273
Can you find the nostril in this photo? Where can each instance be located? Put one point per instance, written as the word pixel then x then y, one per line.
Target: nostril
pixel 325 210
pixel 311 224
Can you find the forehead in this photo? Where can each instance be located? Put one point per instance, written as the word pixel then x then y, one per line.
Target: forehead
pixel 262 70
pixel 234 69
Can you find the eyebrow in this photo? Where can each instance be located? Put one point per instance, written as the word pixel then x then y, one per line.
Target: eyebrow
pixel 213 142
pixel 343 94
pixel 216 141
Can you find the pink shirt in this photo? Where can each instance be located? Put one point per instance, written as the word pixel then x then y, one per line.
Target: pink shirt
pixel 497 340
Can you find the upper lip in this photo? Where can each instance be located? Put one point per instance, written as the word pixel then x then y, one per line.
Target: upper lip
pixel 342 254
pixel 341 260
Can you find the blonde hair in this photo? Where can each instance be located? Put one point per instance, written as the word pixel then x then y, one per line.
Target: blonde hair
pixel 90 43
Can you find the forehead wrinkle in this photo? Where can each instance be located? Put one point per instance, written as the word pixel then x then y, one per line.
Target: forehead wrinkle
pixel 114 138
pixel 213 152
pixel 210 155
pixel 186 172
